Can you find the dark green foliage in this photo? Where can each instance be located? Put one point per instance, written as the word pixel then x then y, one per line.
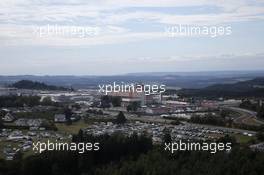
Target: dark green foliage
pixel 116 101
pixel 208 120
pixel 260 113
pixel 239 89
pixel 120 118
pixel 44 114
pixel 135 155
pixel 176 122
pixel 166 136
pixel 247 127
pixel 68 115
pixel 19 101
pixel 238 162
pixel 1 123
pixel 27 84
pixel 94 111
pixel 228 139
pixel 224 114
pixel 133 106
pixel 2 113
pixel 246 104
pixel 107 101
pixel 112 149
pixel 260 136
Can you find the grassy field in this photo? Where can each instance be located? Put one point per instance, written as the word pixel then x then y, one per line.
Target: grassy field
pixel 15 144
pixel 49 115
pixel 242 138
pixel 4 144
pixel 71 129
pixel 63 129
pixel 252 121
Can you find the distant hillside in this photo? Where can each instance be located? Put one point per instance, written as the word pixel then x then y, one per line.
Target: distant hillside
pixel 189 80
pixel 27 84
pixel 250 88
pixel 243 86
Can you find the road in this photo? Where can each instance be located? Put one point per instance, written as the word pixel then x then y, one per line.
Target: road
pixel 247 117
pixel 158 119
pixel 241 131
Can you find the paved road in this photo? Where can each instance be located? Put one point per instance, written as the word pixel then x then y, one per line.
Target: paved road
pixel 241 131
pixel 158 119
pixel 247 117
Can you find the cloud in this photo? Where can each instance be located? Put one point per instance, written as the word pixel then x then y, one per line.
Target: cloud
pixel 34 35
pixel 118 65
pixel 18 16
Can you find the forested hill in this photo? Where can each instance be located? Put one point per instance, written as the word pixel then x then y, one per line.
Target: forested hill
pixel 243 86
pixel 27 84
pixel 250 88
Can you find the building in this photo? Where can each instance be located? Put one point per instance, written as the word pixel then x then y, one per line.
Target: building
pixel 132 95
pixel 29 122
pixel 59 118
pixel 157 110
pixel 129 97
pixel 154 99
pixel 8 118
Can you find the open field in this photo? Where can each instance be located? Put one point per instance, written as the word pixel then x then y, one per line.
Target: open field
pixel 242 138
pixel 73 128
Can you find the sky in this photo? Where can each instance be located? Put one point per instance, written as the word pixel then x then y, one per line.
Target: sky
pixel 107 37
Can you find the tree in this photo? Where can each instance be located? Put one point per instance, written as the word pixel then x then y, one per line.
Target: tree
pixel 246 104
pixel 68 115
pixel 76 106
pixel 260 136
pixel 133 106
pixel 1 123
pixel 81 135
pixel 166 136
pixel 261 113
pixel 129 108
pixel 120 118
pixel 228 139
pixel 105 101
pixel 116 101
pixel 47 101
pixel 2 113
pixel 224 113
pixel 18 156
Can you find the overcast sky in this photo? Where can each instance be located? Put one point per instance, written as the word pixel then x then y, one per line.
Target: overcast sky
pixel 125 36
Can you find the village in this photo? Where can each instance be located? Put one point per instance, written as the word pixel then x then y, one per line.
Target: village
pixel 95 114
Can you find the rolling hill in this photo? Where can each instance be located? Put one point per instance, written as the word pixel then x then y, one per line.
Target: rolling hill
pixel 27 84
pixel 250 88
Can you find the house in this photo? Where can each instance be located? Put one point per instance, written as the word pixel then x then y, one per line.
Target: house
pixel 157 110
pixel 129 96
pixel 59 118
pixel 257 147
pixel 8 118
pixel 17 135
pixel 29 122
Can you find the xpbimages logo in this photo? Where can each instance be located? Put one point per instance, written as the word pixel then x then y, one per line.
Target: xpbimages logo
pixel 197 146
pixel 147 89
pixel 39 147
